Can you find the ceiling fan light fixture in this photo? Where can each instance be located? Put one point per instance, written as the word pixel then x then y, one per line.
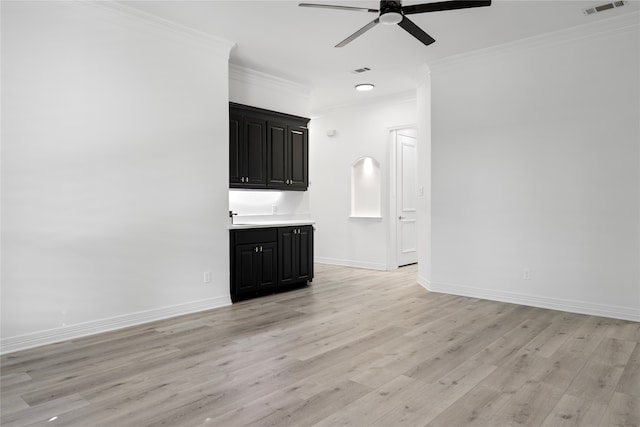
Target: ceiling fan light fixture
pixel 391 18
pixel 364 87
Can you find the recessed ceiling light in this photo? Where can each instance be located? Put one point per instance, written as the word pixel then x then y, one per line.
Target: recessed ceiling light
pixel 363 87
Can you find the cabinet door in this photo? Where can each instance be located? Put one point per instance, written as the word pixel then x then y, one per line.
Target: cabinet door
pixel 246 268
pixel 254 135
pixel 298 158
pixel 295 254
pixel 255 267
pixel 236 167
pixel 286 256
pixel 304 253
pixel 277 154
pixel 268 267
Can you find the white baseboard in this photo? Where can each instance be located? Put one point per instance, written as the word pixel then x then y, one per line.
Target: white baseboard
pixel 36 339
pixel 351 263
pixel 572 306
pixel 424 282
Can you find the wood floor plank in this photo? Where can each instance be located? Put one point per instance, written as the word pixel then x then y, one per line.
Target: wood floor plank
pixel 317 407
pixel 366 410
pixel 529 406
pixel 573 411
pixel 45 412
pixel 623 410
pixel 357 347
pixel 596 382
pixel 630 382
pixel 12 404
pixel 476 408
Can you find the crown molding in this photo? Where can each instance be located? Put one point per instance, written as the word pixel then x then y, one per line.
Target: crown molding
pixel 220 45
pixel 626 23
pixel 248 76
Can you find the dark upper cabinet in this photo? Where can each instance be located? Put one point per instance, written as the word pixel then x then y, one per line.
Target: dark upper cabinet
pixel 247 150
pixel 273 149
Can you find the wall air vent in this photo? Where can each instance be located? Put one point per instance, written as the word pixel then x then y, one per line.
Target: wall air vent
pixel 603 7
pixel 361 70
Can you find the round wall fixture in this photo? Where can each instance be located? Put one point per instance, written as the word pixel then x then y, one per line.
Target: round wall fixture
pixel 363 87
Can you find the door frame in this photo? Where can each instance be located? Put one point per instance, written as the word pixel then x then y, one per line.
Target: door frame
pixel 392 229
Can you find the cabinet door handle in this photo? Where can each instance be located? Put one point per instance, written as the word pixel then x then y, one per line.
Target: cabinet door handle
pixel 256 249
pixel 260 248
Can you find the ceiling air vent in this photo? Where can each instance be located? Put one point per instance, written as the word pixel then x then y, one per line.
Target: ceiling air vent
pixel 603 7
pixel 361 70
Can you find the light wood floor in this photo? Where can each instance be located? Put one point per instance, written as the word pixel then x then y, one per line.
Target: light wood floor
pixel 358 347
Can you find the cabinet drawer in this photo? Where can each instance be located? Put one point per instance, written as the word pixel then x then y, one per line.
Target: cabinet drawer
pixel 255 235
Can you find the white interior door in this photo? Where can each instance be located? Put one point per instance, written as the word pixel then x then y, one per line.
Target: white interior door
pixel 407 198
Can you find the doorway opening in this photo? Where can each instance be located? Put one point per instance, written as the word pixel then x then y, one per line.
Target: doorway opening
pixel 404 191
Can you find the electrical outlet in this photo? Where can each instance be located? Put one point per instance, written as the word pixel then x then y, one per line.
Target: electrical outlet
pixel 207 277
pixel 526 274
pixel 274 209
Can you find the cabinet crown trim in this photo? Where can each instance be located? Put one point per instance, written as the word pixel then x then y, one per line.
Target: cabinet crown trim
pixel 270 113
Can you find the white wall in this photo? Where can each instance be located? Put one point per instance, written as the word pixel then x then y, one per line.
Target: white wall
pixel 536 165
pixel 288 204
pixel 250 87
pixel 361 131
pixel 258 89
pixel 114 171
pixel 423 95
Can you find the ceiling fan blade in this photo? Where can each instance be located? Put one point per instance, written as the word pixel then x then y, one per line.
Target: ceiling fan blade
pixel 329 6
pixel 358 33
pixel 416 31
pixel 444 5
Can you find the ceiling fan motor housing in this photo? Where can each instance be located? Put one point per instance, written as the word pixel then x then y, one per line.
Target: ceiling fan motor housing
pixel 390 12
pixel 390 6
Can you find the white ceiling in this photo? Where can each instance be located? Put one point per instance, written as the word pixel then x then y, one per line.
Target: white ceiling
pixel 295 43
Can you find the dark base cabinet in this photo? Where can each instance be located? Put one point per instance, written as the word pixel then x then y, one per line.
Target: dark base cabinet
pixel 265 260
pixel 295 254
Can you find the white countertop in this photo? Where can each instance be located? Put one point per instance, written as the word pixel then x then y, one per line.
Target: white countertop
pixel 240 222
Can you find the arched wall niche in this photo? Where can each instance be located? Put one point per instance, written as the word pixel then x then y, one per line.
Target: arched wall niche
pixel 365 188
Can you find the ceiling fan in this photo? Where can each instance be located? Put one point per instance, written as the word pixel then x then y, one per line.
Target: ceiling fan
pixel 392 12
